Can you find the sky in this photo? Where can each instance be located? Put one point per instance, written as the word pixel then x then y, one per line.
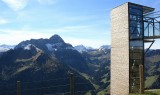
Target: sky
pixel 78 22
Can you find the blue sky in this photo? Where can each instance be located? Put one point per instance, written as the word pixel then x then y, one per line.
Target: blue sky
pixel 78 22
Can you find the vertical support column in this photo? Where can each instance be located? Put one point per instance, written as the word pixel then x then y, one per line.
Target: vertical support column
pixel 18 88
pixel 71 84
pixel 159 27
pixel 141 75
pixel 148 29
pixel 120 50
pixel 153 28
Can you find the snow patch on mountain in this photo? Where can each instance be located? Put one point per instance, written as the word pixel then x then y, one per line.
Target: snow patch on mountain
pixel 27 47
pixel 53 47
pixel 30 46
pixel 81 48
pixel 49 46
pixel 104 47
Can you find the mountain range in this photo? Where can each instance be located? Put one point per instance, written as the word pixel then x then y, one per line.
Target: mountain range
pixel 40 60
pixel 43 66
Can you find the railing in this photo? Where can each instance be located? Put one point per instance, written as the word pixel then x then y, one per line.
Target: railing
pixel 151 27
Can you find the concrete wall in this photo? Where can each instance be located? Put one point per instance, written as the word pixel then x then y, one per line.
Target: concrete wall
pixel 120 50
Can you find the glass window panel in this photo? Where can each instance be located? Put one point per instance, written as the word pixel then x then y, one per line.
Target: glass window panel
pixel 133 17
pixel 133 23
pixel 132 29
pixel 157 29
pixel 136 12
pixel 146 28
pixel 136 43
pixel 136 49
pixel 139 18
pixel 136 63
pixel 134 36
pixel 134 74
pixel 150 30
pixel 139 24
pixel 134 69
pixel 135 7
pixel 135 55
pixel 135 32
pixel 134 84
pixel 133 13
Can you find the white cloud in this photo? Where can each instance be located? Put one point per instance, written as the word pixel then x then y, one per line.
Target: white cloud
pixel 3 21
pixel 16 5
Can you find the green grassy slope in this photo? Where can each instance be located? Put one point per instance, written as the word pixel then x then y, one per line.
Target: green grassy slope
pixel 150 92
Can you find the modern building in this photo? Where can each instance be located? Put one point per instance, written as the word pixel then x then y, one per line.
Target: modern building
pixel 132 26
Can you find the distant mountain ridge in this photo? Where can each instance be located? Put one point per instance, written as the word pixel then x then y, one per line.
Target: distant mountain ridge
pixel 4 47
pixel 82 48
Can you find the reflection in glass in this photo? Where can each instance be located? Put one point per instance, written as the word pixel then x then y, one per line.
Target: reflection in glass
pixel 136 45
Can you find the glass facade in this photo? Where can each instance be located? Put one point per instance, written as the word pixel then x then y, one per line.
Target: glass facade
pixel 136 45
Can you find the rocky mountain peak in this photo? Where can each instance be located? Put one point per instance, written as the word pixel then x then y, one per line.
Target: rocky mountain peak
pixel 53 42
pixel 80 48
pixel 104 47
pixel 56 39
